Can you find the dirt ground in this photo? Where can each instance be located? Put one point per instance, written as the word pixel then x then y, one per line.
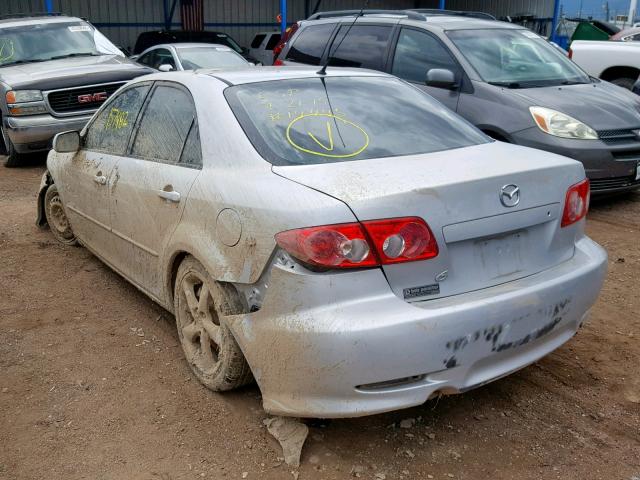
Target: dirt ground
pixel 93 384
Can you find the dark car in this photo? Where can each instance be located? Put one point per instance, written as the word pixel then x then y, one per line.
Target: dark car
pixel 55 71
pixel 151 39
pixel 508 81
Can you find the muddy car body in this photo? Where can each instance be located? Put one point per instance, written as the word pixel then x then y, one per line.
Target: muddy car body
pixel 355 270
pixel 55 71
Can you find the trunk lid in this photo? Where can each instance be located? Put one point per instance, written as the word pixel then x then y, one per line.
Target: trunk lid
pixel 458 193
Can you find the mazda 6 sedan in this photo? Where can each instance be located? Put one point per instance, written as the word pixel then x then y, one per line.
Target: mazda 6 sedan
pixel 341 238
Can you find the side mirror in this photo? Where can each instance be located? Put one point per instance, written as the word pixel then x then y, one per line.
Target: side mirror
pixel 165 67
pixel 67 142
pixel 441 78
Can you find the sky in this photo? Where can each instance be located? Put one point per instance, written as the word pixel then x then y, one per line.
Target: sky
pixel 594 8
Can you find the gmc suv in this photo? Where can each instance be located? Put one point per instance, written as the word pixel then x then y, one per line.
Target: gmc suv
pixel 55 71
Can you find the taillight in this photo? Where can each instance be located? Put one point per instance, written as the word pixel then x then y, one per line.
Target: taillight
pixel 366 244
pixel 336 246
pixel 576 203
pixel 278 63
pixel 399 240
pixel 570 53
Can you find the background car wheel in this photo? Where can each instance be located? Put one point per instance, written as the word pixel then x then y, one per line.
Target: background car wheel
pixel 13 158
pixel 208 345
pixel 57 217
pixel 624 82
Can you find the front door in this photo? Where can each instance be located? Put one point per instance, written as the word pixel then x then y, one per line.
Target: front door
pixel 89 177
pixel 416 53
pixel 154 182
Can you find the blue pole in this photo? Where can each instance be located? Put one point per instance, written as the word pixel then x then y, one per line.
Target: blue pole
pixel 48 5
pixel 441 5
pixel 554 22
pixel 283 16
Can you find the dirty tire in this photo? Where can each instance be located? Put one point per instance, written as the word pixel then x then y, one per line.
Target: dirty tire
pixel 624 82
pixel 208 344
pixel 57 217
pixel 13 157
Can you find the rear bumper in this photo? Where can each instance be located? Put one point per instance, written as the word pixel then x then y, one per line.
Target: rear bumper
pixel 34 133
pixel 610 168
pixel 343 345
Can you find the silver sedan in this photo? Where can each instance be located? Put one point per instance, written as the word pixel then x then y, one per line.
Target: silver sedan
pixel 342 238
pixel 190 56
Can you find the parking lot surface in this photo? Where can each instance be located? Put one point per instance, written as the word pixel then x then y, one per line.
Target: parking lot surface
pixel 94 385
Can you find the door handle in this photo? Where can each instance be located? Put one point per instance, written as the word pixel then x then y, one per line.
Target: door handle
pixel 100 179
pixel 171 196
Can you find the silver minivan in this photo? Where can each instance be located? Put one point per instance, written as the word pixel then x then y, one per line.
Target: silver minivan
pixel 508 81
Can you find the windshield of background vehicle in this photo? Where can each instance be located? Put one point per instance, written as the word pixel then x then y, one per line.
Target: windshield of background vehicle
pixel 516 58
pixel 46 41
pixel 334 119
pixel 214 57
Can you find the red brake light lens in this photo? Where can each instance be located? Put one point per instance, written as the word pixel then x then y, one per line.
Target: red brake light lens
pixel 335 246
pixel 357 245
pixel 399 240
pixel 576 204
pixel 570 54
pixel 278 63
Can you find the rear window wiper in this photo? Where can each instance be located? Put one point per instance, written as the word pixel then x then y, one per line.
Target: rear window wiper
pixel 69 55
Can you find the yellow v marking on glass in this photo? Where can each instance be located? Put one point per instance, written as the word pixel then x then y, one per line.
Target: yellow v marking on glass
pixel 330 147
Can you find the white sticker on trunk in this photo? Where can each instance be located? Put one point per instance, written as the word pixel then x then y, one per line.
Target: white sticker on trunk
pixel 79 28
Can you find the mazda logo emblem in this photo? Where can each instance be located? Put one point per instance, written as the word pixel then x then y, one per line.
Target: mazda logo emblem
pixel 510 195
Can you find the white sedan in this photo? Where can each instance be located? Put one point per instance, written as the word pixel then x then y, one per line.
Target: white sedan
pixel 342 237
pixel 190 56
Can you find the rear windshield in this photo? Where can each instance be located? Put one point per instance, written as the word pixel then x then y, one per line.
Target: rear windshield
pixel 321 120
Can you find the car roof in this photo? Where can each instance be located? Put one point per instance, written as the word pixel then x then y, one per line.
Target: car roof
pixel 265 74
pixel 258 74
pixel 440 22
pixel 36 19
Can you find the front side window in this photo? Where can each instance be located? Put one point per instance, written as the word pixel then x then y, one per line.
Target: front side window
pixel 162 56
pixel 164 125
pixel 309 44
pixel 52 40
pixel 147 58
pixel 111 129
pixel 417 53
pixel 516 58
pixel 337 119
pixel 364 46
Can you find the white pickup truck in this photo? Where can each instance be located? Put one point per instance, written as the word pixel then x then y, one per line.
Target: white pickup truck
pixel 616 62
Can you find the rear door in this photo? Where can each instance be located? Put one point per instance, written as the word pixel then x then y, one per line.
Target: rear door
pixel 153 183
pixel 86 185
pixel 417 52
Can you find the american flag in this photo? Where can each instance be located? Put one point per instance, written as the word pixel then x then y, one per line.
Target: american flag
pixel 192 14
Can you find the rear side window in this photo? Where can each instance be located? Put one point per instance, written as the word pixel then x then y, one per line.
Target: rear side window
pixel 273 41
pixel 111 129
pixel 363 47
pixel 165 124
pixel 257 40
pixel 310 44
pixel 337 119
pixel 417 53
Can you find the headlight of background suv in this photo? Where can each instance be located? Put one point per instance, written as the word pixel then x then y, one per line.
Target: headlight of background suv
pixel 561 125
pixel 25 102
